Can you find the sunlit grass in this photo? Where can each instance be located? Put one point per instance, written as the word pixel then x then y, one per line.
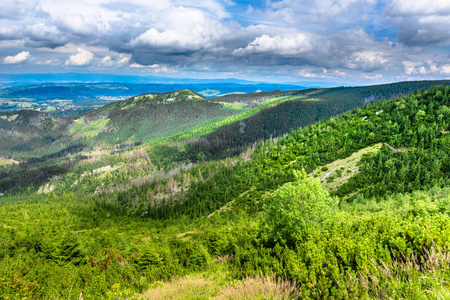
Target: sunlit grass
pixel 6 162
pixel 88 130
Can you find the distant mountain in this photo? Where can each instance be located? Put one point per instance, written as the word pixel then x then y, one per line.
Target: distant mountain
pixel 72 98
pixel 309 106
pixel 104 77
pixel 82 92
pixel 26 130
pixel 34 78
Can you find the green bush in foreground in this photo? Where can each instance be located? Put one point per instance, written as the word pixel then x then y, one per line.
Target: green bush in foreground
pixel 297 208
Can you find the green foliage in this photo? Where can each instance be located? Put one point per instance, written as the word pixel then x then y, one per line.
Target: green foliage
pixel 200 258
pixel 137 218
pixel 69 249
pixel 297 209
pixel 118 293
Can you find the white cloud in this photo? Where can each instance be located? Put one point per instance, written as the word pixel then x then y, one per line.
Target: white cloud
pixel 40 30
pixel 17 9
pixel 412 68
pixel 214 7
pixel 183 29
pixel 116 60
pixel 10 32
pixel 372 77
pixel 445 69
pixel 432 65
pixel 279 36
pixel 419 7
pixel 156 68
pixel 124 59
pixel 409 67
pixel 107 61
pixel 51 62
pixel 339 73
pixel 19 58
pixel 367 60
pixel 349 49
pixel 163 69
pixel 285 46
pixel 422 70
pixel 139 66
pixel 82 58
pixel 313 73
pixel 304 73
pixel 82 25
pixel 44 35
pixel 318 13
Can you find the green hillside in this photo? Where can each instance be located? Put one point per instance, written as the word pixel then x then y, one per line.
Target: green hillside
pixel 305 107
pixel 25 130
pixel 46 145
pixel 355 206
pixel 147 117
pixel 252 99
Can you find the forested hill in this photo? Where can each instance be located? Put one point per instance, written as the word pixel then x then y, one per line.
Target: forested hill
pixel 148 117
pixel 411 153
pixel 137 120
pixel 225 127
pixel 308 107
pixel 252 98
pixel 26 130
pixel 351 207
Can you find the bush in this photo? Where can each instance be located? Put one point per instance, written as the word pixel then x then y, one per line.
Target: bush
pixel 200 258
pixel 297 208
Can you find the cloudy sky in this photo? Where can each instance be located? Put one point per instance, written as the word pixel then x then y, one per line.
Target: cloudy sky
pixel 347 41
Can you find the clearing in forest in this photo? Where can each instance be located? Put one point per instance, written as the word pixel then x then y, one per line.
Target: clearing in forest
pixel 7 162
pixel 335 174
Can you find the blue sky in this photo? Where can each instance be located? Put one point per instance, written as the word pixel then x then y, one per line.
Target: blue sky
pixel 343 41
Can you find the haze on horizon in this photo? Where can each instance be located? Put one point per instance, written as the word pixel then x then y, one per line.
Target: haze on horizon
pixel 346 41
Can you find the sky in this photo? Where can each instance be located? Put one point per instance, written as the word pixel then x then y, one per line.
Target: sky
pixel 343 41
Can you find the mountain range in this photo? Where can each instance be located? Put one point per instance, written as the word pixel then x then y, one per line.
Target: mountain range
pixel 320 193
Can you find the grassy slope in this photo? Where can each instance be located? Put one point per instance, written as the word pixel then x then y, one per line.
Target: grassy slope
pixel 338 172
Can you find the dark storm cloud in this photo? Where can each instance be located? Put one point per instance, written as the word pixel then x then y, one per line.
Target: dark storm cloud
pixel 40 35
pixel 413 32
pixel 10 32
pixel 353 49
pixel 420 23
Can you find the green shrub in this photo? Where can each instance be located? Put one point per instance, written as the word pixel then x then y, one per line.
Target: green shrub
pixel 297 208
pixel 200 257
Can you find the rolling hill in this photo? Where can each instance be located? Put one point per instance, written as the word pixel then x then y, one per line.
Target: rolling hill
pixel 148 117
pixel 352 206
pixel 207 129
